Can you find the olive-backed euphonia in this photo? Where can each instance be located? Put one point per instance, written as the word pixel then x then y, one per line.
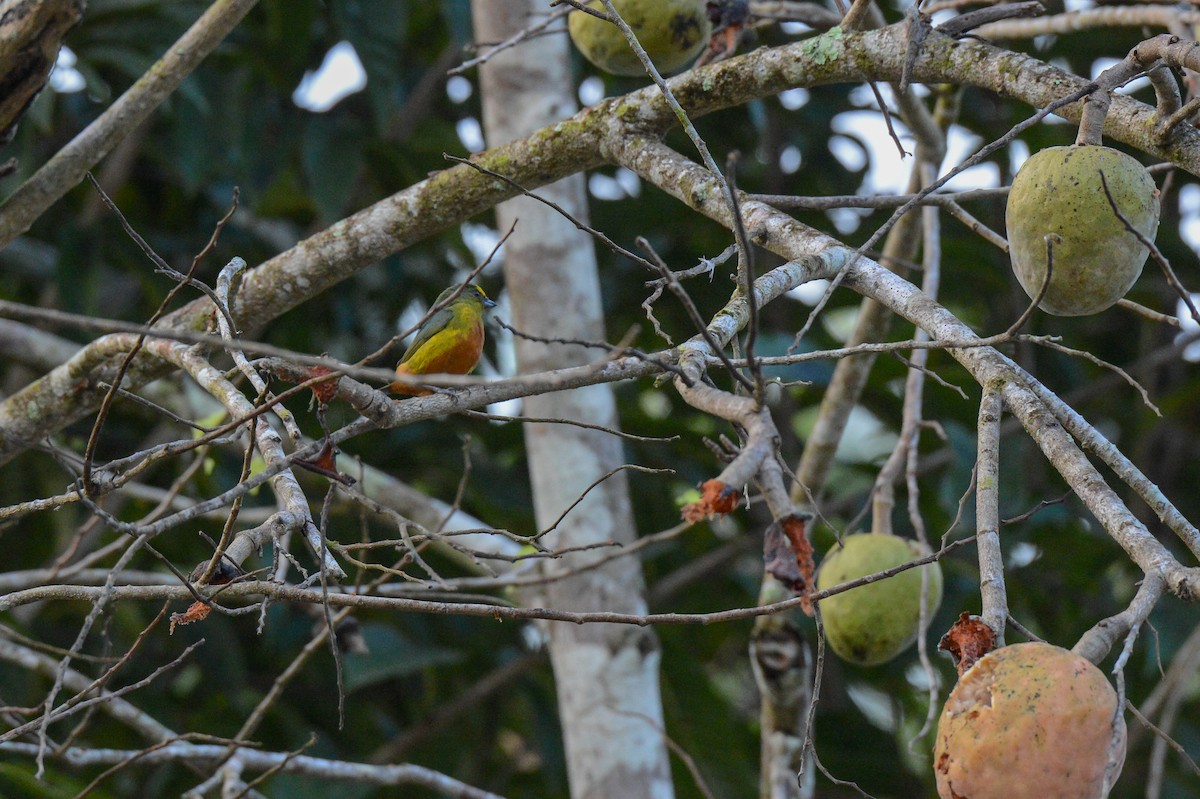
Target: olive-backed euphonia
pixel 450 342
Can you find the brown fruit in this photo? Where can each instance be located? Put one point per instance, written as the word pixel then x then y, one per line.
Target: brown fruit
pixel 1096 260
pixel 672 32
pixel 1029 721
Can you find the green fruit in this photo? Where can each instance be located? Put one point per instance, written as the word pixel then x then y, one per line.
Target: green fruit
pixel 1058 191
pixel 1029 721
pixel 672 32
pixel 873 623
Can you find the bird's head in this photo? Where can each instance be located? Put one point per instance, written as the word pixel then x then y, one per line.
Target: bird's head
pixel 480 296
pixel 471 293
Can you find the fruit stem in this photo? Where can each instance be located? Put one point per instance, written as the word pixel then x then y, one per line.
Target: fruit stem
pixel 1091 121
pixel 1095 105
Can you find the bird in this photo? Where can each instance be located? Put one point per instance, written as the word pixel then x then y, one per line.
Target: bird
pixel 450 342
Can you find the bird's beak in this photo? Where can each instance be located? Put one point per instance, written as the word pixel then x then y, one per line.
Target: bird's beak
pixel 488 302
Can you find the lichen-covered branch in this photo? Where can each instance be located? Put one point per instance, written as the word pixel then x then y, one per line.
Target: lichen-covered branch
pixel 290 496
pixel 790 239
pixel 66 169
pixel 1096 642
pixel 985 364
pixel 256 760
pixel 597 134
pixel 30 37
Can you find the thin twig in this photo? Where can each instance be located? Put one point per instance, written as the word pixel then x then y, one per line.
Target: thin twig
pixel 987 513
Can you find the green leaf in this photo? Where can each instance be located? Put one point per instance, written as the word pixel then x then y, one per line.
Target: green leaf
pixel 392 656
pixel 17 779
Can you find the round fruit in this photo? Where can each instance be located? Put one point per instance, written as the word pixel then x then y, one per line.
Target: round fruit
pixel 1029 721
pixel 672 32
pixel 1096 260
pixel 873 623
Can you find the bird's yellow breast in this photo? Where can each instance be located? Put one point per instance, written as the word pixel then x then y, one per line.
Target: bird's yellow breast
pixel 454 350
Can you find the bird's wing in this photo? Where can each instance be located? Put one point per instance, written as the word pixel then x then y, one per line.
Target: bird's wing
pixel 436 324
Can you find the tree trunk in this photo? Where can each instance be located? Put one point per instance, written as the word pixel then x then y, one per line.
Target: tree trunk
pixel 606 675
pixel 31 35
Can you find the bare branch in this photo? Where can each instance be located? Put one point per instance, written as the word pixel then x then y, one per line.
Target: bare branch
pixel 257 760
pixel 68 166
pixel 987 513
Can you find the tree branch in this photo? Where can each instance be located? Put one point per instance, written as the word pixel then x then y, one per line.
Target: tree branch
pixel 577 144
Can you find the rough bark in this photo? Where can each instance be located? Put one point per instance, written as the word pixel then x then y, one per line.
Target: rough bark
pixel 568 146
pixel 31 34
